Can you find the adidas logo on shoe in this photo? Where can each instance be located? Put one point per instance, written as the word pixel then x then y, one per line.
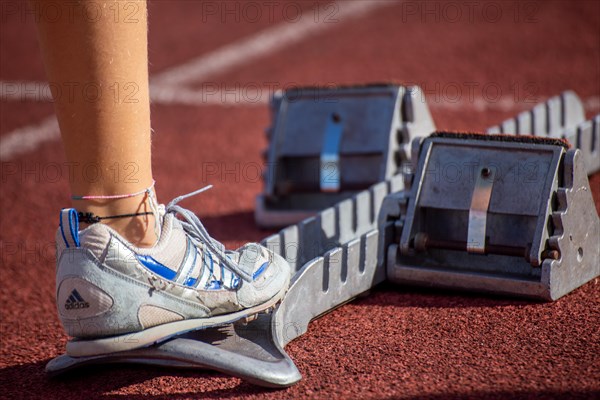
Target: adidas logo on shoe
pixel 75 301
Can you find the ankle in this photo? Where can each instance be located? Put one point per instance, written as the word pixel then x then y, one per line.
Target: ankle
pixel 139 230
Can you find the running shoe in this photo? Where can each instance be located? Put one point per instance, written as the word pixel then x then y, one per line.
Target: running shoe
pixel 112 296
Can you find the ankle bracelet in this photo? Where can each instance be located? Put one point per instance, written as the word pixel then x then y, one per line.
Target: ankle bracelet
pixel 90 218
pixel 115 196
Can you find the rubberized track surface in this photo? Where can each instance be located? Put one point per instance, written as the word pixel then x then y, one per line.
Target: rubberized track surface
pixel 396 343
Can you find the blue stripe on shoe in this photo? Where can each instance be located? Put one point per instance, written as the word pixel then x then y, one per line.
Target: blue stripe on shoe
pixel 68 216
pixel 211 263
pixel 187 265
pixel 182 271
pixel 156 267
pixel 190 282
pixel 214 285
pixel 211 272
pixel 74 226
pixel 260 270
pixel 204 275
pixel 233 282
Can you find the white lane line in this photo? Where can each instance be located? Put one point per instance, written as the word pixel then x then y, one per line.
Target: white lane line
pixel 592 104
pixel 38 91
pixel 226 58
pixel 28 138
pixel 266 42
pixel 235 96
pixel 250 94
pixel 244 51
pixel 164 85
pixel 258 96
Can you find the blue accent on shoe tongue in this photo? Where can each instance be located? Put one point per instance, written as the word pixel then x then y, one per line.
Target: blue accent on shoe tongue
pixel 156 267
pixel 260 270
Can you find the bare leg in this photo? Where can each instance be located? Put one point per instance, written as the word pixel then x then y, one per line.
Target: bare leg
pixel 96 54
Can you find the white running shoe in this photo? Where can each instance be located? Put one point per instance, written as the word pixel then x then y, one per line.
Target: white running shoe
pixel 112 296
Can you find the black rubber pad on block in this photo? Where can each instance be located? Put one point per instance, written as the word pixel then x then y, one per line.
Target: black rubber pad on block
pixel 503 138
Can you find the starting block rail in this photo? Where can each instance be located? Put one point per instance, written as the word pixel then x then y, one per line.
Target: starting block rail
pixel 586 137
pixel 563 117
pixel 551 119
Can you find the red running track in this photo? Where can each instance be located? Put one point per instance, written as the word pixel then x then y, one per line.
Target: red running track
pixel 397 343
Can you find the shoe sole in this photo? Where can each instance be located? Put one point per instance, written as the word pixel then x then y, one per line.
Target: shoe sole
pixel 162 333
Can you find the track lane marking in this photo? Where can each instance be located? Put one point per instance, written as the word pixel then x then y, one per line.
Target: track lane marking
pixel 37 91
pixel 230 56
pixel 261 44
pixel 28 138
pixel 168 87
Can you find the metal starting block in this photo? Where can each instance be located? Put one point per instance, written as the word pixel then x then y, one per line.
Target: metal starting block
pixel 327 144
pixel 562 117
pixel 494 213
pixel 335 258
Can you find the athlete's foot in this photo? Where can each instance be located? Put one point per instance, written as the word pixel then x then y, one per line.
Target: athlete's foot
pixel 107 286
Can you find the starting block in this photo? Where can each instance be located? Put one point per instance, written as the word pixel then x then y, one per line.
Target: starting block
pixel 493 213
pixel 327 144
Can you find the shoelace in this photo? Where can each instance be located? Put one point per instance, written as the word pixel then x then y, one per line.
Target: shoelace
pixel 199 235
